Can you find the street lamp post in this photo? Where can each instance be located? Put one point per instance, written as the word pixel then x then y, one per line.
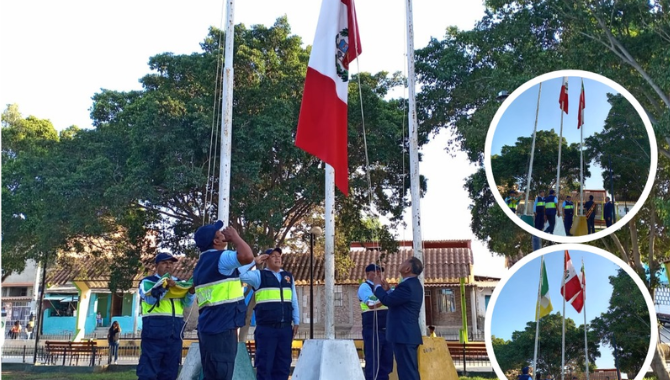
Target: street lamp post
pixel 315 231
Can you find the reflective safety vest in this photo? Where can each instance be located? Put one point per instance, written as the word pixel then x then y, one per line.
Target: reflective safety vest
pixel 368 315
pixel 512 203
pixel 539 205
pixel 273 299
pixel 550 205
pixel 569 208
pixel 167 307
pixel 220 297
pixel 163 319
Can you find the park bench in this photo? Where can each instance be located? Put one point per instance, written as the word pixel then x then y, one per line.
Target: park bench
pixel 73 351
pixel 468 352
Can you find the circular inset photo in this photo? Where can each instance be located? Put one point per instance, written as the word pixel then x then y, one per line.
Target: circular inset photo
pixel 570 156
pixel 571 312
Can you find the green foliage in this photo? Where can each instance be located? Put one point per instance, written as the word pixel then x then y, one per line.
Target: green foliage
pixel 626 325
pixel 518 352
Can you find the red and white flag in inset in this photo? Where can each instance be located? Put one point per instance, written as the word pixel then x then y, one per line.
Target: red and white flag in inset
pixel 322 124
pixel 582 105
pixel 572 285
pixel 563 98
pixel 578 301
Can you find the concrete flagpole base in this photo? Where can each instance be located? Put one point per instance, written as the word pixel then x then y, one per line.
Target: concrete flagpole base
pixel 192 368
pixel 328 359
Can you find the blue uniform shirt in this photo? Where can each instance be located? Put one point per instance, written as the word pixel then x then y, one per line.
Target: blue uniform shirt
pixel 253 278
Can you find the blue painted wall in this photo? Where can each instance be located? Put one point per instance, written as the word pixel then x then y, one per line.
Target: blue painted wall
pixel 58 325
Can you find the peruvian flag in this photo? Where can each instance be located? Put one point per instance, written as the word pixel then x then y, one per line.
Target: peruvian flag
pixel 578 302
pixel 322 125
pixel 582 105
pixel 571 282
pixel 563 98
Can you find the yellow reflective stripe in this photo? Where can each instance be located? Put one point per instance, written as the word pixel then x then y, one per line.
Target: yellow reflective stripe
pixel 219 292
pixel 152 314
pixel 540 203
pixel 164 308
pixel 550 205
pixel 568 207
pixel 273 295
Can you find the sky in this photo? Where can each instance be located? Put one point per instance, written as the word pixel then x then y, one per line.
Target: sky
pixel 57 55
pixel 519 118
pixel 515 305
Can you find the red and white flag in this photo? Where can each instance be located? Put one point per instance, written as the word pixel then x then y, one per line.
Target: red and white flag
pixel 572 285
pixel 582 105
pixel 578 302
pixel 563 98
pixel 322 125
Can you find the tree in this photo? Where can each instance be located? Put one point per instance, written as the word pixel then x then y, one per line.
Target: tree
pixel 519 351
pixel 625 144
pixel 626 326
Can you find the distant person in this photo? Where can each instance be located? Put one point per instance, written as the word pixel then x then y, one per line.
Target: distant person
pixel 113 339
pixel 431 332
pixel 568 214
pixel 525 374
pixel 550 209
pixel 512 200
pixel 98 319
pixel 608 212
pixel 15 331
pixel 590 211
pixel 538 211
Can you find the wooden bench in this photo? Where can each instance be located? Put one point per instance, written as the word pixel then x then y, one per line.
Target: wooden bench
pixel 474 351
pixel 72 351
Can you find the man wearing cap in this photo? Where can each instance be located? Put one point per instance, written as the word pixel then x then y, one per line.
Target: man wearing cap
pixel 162 323
pixel 378 351
pixel 402 324
pixel 568 214
pixel 550 209
pixel 538 211
pixel 220 297
pixel 276 307
pixel 512 200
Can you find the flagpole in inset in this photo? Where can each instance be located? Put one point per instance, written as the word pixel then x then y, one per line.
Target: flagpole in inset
pixel 226 117
pixel 560 136
pixel 586 345
pixel 532 149
pixel 417 241
pixel 565 273
pixel 581 153
pixel 537 317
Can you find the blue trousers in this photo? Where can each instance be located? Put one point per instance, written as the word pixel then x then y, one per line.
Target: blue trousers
pixel 375 346
pixel 406 358
pixel 551 218
pixel 539 222
pixel 567 223
pixel 273 352
pixel 217 354
pixel 160 359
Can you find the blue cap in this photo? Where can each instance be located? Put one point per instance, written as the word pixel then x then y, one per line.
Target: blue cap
pixel 552 192
pixel 204 236
pixel 165 256
pixel 269 251
pixel 525 370
pixel 373 268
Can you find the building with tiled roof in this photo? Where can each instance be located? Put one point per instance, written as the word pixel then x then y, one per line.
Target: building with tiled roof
pixel 445 264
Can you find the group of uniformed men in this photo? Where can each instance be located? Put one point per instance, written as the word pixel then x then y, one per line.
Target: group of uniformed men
pixel 220 297
pixel 545 209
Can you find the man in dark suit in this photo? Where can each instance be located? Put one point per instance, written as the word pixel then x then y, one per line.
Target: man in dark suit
pixel 608 212
pixel 402 321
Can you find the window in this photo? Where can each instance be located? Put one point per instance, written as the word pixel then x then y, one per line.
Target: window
pixel 446 302
pixel 14 291
pixel 338 295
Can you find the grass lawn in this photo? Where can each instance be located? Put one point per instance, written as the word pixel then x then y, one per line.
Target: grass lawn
pixel 19 375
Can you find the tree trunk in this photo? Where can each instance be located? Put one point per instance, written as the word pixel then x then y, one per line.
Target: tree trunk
pixel 637 259
pixel 622 250
pixel 658 364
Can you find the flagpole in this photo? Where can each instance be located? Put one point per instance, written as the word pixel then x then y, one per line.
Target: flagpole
pixel 586 345
pixel 226 117
pixel 329 255
pixel 560 145
pixel 537 317
pixel 565 272
pixel 581 162
pixel 532 150
pixel 417 241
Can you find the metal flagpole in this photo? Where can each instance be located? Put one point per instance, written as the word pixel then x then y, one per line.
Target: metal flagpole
pixel 581 163
pixel 586 345
pixel 532 150
pixel 329 254
pixel 537 317
pixel 560 145
pixel 417 245
pixel 565 272
pixel 226 117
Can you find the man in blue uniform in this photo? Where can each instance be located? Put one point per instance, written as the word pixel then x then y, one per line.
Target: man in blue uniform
pixel 512 200
pixel 220 297
pixel 608 212
pixel 538 211
pixel 162 324
pixel 402 322
pixel 568 214
pixel 276 307
pixel 378 351
pixel 550 209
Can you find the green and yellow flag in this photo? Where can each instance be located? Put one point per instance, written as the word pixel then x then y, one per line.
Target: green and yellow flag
pixel 544 302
